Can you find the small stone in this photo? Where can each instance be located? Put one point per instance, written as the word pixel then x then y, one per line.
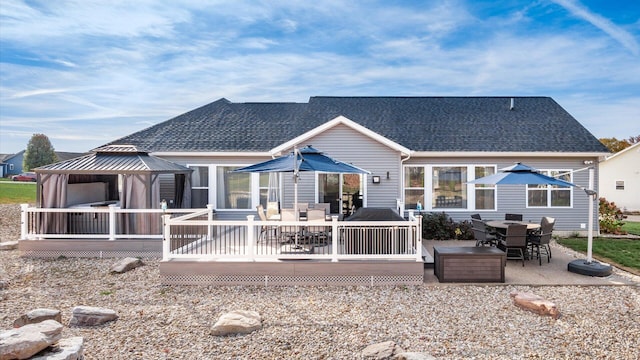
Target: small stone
pixel 237 322
pixel 36 316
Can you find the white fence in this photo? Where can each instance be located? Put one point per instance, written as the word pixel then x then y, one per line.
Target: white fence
pixel 108 223
pixel 195 234
pixel 251 240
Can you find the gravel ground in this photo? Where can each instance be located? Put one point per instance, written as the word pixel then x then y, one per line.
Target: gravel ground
pixel 448 322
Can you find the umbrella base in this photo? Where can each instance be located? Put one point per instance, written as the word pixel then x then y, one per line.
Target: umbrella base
pixel 593 268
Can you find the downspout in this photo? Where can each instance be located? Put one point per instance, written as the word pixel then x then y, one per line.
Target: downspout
pixel 402 183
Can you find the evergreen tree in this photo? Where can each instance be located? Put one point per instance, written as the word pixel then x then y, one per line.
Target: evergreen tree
pixel 39 152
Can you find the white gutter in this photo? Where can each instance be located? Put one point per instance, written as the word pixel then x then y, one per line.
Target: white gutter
pixel 459 154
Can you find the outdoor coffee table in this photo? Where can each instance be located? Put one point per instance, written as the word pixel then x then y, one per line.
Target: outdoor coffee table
pixel 469 264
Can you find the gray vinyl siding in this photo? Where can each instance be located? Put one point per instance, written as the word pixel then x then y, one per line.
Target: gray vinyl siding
pixel 513 198
pixel 350 146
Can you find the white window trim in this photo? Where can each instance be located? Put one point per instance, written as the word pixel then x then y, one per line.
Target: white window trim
pixel 471 188
pixel 549 190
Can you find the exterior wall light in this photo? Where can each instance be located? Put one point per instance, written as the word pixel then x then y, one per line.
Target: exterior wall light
pixel 375 179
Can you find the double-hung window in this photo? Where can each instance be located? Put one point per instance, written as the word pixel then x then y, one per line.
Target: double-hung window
pixel 199 186
pixel 413 186
pixel 233 190
pixel 550 195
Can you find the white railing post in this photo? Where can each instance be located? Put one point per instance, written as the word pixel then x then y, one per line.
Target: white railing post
pixel 419 238
pixel 335 237
pixel 166 237
pixel 210 219
pixel 23 221
pixel 250 235
pixel 112 222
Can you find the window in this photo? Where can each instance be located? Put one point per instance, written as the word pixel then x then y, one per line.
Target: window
pixel 485 194
pixel 449 187
pixel 619 184
pixel 550 195
pixel 233 190
pixel 413 186
pixel 199 186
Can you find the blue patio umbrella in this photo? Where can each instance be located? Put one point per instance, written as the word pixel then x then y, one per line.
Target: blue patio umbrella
pixel 520 174
pixel 305 159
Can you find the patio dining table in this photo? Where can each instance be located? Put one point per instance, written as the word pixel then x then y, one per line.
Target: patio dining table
pixel 504 224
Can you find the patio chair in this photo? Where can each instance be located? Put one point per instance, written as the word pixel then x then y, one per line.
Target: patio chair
pixel 542 238
pixel 514 217
pixel 273 210
pixel 540 241
pixel 265 230
pixel 288 232
pixel 316 234
pixel 481 234
pixel 515 241
pixel 324 206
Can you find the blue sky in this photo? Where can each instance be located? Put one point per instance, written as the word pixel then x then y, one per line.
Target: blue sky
pixel 88 72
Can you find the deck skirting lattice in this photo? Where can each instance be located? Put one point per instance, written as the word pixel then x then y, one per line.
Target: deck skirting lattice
pixel 89 254
pixel 286 280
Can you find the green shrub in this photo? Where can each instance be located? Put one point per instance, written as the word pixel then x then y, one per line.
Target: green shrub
pixel 439 226
pixel 611 217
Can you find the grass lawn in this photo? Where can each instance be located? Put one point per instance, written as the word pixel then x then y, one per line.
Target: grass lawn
pixel 631 227
pixel 17 193
pixel 622 253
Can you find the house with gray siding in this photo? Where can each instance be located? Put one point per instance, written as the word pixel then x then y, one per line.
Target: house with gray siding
pixel 418 149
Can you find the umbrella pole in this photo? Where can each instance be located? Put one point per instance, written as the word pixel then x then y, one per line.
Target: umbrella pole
pixel 295 192
pixel 592 198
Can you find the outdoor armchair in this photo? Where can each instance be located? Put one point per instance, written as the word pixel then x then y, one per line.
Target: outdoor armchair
pixel 515 241
pixel 539 241
pixel 481 234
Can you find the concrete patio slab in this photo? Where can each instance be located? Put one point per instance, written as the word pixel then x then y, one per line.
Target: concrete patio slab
pixel 553 273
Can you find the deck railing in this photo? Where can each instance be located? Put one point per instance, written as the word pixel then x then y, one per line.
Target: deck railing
pixel 109 222
pixel 251 240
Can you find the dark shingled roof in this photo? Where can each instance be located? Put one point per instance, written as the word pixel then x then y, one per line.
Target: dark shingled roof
pixel 535 124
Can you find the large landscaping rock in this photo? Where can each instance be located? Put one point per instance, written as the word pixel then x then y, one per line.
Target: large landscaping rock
pixel 91 316
pixel 36 316
pixel 126 264
pixel 237 322
pixel 535 303
pixel 26 341
pixel 383 350
pixel 65 349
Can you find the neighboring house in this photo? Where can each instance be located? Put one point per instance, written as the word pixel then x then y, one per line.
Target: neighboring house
pixel 11 164
pixel 417 149
pixel 620 178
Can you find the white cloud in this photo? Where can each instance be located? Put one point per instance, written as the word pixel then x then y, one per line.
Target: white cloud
pixel 623 37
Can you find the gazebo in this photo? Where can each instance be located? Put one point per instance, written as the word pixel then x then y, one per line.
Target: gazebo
pixel 121 175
